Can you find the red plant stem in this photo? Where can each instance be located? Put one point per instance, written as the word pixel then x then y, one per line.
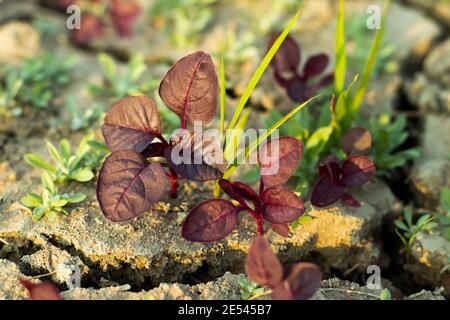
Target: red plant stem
pixel 183 123
pixel 257 216
pixel 173 184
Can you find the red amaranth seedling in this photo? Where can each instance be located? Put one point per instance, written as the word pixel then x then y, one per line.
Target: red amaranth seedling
pixel 300 86
pixel 128 183
pixel 298 281
pixel 335 177
pixel 214 219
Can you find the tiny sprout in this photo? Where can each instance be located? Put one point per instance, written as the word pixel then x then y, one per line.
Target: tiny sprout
pixel 49 203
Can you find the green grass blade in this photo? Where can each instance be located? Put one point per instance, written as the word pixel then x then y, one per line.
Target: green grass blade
pixel 341 58
pixel 266 134
pixel 260 70
pixel 223 99
pixel 358 97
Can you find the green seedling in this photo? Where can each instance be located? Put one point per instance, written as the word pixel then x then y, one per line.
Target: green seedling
pixel 122 84
pixel 50 203
pixel 388 135
pixel 183 20
pixel 8 94
pixel 407 231
pixel 70 167
pixel 251 290
pixel 37 80
pixel 80 120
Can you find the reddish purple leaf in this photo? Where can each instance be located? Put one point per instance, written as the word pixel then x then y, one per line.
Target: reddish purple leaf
pixel 301 282
pixel 123 14
pixel 237 190
pixel 357 170
pixel 287 57
pixel 209 221
pixel 281 205
pixel 41 291
pixel 315 65
pixel 190 88
pixel 330 167
pixel 91 28
pixel 281 229
pixel 349 200
pixel 357 141
pixel 298 90
pixel 132 123
pixel 279 159
pixel 327 80
pixel 195 156
pixel 128 185
pixel 262 265
pixel 326 192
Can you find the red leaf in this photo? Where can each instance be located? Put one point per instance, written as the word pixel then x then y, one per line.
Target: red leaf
pixel 326 192
pixel 195 156
pixel 132 123
pixel 315 65
pixel 190 88
pixel 357 141
pixel 349 200
pixel 301 282
pixel 128 185
pixel 209 221
pixel 287 57
pixel 262 265
pixel 41 291
pixel 357 170
pixel 91 28
pixel 298 90
pixel 330 167
pixel 281 205
pixel 279 159
pixel 281 229
pixel 123 14
pixel 238 190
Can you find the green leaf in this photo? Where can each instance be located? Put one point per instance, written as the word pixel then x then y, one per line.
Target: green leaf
pixel 408 216
pixel 341 58
pixel 58 203
pixel 64 149
pixel 108 66
pixel 74 197
pixel 82 175
pixel 385 294
pixel 96 145
pixel 446 233
pixel 48 184
pixel 55 154
pixel 343 114
pixel 358 97
pixel 31 200
pixel 401 225
pixel 38 213
pixel 37 162
pixel 402 238
pixel 266 134
pixel 260 70
pixel 444 199
pixel 223 99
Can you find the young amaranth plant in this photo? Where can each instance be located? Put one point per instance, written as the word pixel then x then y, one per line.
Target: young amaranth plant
pixel 214 219
pixel 335 177
pixel 300 86
pixel 129 184
pixel 298 281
